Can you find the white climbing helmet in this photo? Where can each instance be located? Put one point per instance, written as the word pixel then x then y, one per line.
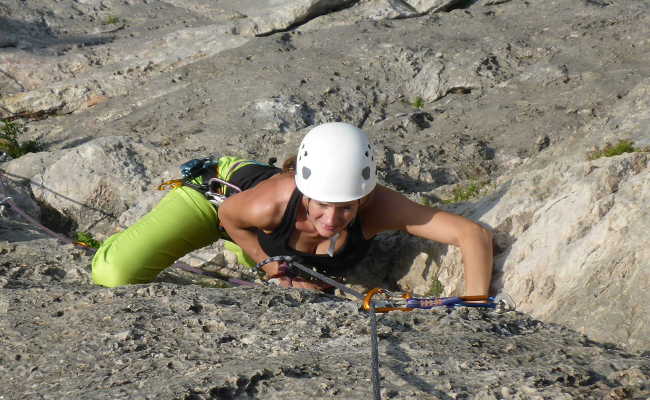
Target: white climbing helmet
pixel 336 163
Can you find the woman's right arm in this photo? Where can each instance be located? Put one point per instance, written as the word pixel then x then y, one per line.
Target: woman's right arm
pixel 242 213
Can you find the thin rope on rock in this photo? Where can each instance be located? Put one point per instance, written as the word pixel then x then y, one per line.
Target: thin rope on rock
pixel 374 342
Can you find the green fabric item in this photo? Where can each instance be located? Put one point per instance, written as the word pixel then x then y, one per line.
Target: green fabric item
pixel 242 257
pixel 226 167
pixel 182 222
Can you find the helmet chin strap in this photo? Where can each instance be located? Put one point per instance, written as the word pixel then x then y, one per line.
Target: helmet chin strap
pixel 333 239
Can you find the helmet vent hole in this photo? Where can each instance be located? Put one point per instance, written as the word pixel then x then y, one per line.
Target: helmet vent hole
pixel 366 173
pixel 306 172
pixel 305 153
pixel 366 154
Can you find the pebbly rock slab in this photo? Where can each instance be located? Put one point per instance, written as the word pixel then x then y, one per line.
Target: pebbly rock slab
pixel 168 341
pixel 511 93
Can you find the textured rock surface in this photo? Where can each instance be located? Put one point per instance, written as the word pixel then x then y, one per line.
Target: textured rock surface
pixel 166 341
pixel 570 255
pixel 570 234
pixel 505 95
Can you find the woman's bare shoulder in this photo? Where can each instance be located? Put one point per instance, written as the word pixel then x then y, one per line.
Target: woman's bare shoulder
pixel 262 206
pixel 277 189
pixel 387 209
pixel 383 198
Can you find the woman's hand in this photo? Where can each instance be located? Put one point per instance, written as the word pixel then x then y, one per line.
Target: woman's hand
pixel 282 281
pixel 304 284
pixel 275 269
pixel 299 283
pixel 276 273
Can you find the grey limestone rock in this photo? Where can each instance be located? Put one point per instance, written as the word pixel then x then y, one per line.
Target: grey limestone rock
pixel 499 100
pixel 166 341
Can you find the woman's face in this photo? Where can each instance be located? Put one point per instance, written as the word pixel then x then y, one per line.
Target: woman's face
pixel 331 218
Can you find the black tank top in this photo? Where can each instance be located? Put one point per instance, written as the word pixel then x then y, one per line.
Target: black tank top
pixel 250 175
pixel 277 243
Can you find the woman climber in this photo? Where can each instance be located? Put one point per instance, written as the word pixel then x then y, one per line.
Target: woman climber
pixel 325 209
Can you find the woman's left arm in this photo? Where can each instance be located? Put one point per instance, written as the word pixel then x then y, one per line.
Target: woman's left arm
pixel 393 211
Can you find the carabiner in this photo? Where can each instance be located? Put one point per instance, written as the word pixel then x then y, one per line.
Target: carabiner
pixel 171 184
pixel 368 299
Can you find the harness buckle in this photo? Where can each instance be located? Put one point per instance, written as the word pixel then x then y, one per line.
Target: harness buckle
pixel 171 184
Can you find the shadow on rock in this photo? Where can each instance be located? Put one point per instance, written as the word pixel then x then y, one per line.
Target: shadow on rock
pixel 32 35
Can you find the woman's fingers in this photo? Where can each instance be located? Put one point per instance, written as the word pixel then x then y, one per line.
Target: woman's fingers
pixel 276 269
pixel 301 283
pixel 282 281
pixel 287 282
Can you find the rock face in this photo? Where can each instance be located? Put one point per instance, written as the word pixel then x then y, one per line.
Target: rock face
pixel 568 232
pixel 166 341
pixel 500 99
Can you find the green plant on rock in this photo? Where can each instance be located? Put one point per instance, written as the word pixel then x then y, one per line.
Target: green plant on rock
pixel 465 192
pixel 87 239
pixel 426 201
pixel 436 288
pixel 418 102
pixel 9 143
pixel 611 150
pixel 111 19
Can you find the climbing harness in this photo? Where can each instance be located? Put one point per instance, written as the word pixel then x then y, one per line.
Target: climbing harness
pixel 195 173
pixel 205 175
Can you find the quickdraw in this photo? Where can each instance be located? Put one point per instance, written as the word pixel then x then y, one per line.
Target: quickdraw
pixel 396 301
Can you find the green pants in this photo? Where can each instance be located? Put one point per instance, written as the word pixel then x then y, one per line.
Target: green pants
pixel 182 222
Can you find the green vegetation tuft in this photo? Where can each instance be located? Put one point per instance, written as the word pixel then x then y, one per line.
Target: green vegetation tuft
pixel 425 201
pixel 9 143
pixel 87 239
pixel 436 288
pixel 111 19
pixel 418 102
pixel 465 193
pixel 611 150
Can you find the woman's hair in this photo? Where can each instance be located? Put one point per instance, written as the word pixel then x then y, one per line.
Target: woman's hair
pixel 289 165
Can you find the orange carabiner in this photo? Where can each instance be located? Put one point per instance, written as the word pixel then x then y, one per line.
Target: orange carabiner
pixel 172 184
pixel 368 298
